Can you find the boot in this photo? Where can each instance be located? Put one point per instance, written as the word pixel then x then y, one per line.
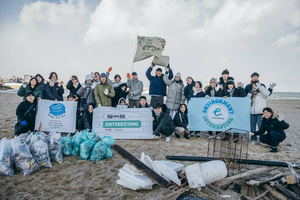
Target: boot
pixel 177 135
pixel 186 136
pixel 274 150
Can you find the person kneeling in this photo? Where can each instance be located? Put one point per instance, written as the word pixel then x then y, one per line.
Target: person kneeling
pixel 26 114
pixel 274 125
pixel 181 122
pixel 163 123
pixel 87 116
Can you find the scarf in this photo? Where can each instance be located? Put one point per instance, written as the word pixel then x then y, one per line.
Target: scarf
pixel 212 92
pixel 230 92
pixel 196 91
pixel 254 93
pixel 51 83
pixel 76 85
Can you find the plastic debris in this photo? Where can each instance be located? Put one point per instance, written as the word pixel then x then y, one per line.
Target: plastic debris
pixel 99 151
pixel 66 145
pixel 55 150
pixel 6 161
pixel 40 152
pixel 108 140
pixel 76 144
pixel 86 148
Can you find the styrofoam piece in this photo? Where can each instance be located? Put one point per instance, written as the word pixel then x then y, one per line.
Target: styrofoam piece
pixel 200 174
pixel 131 184
pixel 166 172
pixel 142 181
pixel 176 166
pixel 129 170
pixel 161 60
pixel 146 160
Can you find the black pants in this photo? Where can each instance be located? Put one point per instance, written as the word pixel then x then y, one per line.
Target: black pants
pixel 155 99
pixel 165 130
pixel 273 138
pixel 25 129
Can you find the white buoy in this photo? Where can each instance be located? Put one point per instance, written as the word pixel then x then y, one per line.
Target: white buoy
pixel 199 175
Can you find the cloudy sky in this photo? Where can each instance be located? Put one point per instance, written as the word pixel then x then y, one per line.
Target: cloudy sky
pixel 203 38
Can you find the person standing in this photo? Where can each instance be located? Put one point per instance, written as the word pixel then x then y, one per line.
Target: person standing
pixel 258 96
pixel 135 90
pixel 53 89
pixel 73 85
pixel 30 87
pixel 163 123
pixel 189 87
pixel 255 77
pixel 274 125
pixel 223 81
pixel 181 122
pixel 25 112
pixel 117 79
pixel 120 92
pixel 86 93
pixel 233 91
pixel 41 83
pixel 103 92
pixel 175 94
pixel 157 88
pixel 96 79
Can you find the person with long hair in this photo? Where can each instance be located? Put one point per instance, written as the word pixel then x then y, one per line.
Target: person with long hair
pixel 30 87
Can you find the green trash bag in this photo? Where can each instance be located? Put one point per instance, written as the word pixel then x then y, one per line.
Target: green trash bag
pixel 86 148
pixel 76 144
pixel 108 140
pixel 91 135
pixel 99 151
pixel 67 145
pixel 109 153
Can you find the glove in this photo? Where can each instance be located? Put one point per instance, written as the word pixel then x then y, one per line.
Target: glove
pixel 218 87
pixel 24 123
pixel 280 117
pixel 206 96
pixel 109 69
pixel 272 85
pixel 128 75
pixel 258 85
pixel 105 91
pixel 99 105
pixel 168 67
pixel 188 127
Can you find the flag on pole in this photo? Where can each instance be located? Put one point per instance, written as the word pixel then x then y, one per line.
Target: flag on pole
pixel 148 46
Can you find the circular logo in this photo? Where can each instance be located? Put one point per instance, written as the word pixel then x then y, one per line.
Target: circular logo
pixel 218 113
pixel 57 109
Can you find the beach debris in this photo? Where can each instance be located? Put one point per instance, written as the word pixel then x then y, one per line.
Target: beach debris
pixel 287 192
pixel 199 175
pixel 40 152
pixel 22 157
pixel 102 148
pixel 67 145
pixel 239 176
pixel 291 179
pixel 55 151
pixel 274 193
pixel 86 149
pixel 294 188
pixel 264 180
pixel 6 160
pixel 76 144
pixel 176 194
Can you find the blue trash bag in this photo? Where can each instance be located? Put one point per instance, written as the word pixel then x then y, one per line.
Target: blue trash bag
pixel 109 153
pixel 67 145
pixel 76 144
pixel 84 137
pixel 108 140
pixel 97 138
pixel 6 158
pixel 99 152
pixel 86 148
pixel 91 135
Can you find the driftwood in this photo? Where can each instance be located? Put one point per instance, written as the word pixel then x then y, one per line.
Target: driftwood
pixel 276 194
pixel 236 177
pixel 268 179
pixel 175 195
pixel 295 189
pixel 260 196
pixel 266 197
pixel 287 192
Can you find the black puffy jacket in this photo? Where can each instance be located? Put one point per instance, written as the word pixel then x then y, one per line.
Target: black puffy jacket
pixel 30 116
pixel 181 119
pixel 54 92
pixel 188 88
pixel 164 119
pixel 224 92
pixel 72 89
pixel 119 93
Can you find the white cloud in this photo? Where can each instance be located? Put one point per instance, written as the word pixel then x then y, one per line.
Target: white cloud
pixel 283 41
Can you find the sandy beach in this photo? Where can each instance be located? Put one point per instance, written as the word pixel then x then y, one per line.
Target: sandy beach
pixel 80 179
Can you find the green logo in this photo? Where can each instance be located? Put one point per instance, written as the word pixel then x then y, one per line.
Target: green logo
pixel 121 124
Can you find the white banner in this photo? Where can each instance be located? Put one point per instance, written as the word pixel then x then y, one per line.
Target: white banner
pixel 131 123
pixel 58 116
pixel 148 46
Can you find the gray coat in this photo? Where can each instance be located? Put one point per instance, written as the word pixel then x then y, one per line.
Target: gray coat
pixel 83 92
pixel 136 87
pixel 175 94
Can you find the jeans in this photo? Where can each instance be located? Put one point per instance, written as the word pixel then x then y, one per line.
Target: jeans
pixel 273 138
pixel 155 99
pixel 255 119
pixel 165 130
pixel 133 103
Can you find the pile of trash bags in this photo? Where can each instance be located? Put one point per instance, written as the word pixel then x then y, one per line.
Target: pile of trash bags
pixel 29 152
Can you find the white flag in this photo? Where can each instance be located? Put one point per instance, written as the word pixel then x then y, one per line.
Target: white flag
pixel 148 46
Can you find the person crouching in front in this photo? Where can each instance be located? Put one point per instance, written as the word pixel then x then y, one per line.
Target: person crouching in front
pixel 181 122
pixel 163 122
pixel 87 116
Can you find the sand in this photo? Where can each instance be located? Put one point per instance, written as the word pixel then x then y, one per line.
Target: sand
pixel 78 179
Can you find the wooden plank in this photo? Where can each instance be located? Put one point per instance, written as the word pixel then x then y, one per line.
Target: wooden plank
pixel 239 176
pixel 140 166
pixel 261 190
pixel 260 196
pixel 295 189
pixel 276 194
pixel 287 192
pixel 258 182
pixel 244 190
pixel 175 195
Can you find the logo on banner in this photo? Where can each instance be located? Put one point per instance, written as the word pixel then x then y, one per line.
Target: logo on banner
pixel 121 124
pixel 219 113
pixel 57 110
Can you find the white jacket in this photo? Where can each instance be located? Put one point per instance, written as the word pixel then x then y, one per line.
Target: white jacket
pixel 260 101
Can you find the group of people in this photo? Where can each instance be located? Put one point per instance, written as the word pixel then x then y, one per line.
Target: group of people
pixel 168 118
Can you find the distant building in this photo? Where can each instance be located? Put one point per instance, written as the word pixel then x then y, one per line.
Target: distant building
pixel 27 77
pixel 15 79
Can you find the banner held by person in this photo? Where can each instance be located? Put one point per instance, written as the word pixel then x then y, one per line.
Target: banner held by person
pixel 219 114
pixel 131 123
pixel 58 116
pixel 148 46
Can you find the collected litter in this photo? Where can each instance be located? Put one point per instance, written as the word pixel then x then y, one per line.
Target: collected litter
pixel 6 160
pixel 66 145
pixel 55 151
pixel 40 152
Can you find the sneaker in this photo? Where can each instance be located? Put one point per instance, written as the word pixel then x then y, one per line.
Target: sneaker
pixel 198 135
pixel 254 142
pixel 168 139
pixel 156 136
pixel 274 150
pixel 186 136
pixel 177 135
pixel 192 134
